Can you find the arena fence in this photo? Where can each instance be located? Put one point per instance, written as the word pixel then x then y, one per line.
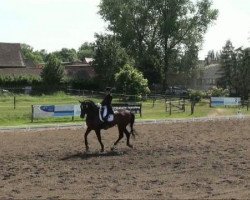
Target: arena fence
pixel 176 106
pixel 45 111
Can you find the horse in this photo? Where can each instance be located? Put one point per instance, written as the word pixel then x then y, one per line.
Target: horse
pixel 122 119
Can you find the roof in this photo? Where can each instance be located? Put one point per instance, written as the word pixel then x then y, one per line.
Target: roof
pixel 80 72
pixel 212 71
pixel 88 60
pixel 10 55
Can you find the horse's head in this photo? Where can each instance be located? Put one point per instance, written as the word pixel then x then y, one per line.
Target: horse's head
pixel 86 107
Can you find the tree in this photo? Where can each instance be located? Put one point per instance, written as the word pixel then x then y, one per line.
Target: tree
pixel 109 58
pixel 163 29
pixel 227 60
pixel 66 55
pixel 131 81
pixel 53 72
pixel 35 56
pixel 235 69
pixel 86 50
pixel 243 65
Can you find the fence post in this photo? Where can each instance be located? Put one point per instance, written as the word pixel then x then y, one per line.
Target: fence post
pixel 32 113
pixel 140 110
pixel 14 102
pixel 170 108
pixel 183 105
pixel 166 105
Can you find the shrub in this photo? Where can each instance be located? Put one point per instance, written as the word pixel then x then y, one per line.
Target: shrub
pixel 196 95
pixel 217 92
pixel 19 81
pixel 131 81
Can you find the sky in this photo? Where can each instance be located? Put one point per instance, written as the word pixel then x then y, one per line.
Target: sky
pixel 56 24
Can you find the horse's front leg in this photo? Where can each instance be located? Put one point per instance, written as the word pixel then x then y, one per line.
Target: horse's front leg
pixel 98 134
pixel 86 138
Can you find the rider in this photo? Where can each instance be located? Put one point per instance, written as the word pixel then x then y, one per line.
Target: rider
pixel 106 104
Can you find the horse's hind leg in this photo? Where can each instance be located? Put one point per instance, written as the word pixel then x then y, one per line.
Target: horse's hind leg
pixel 128 137
pixel 98 134
pixel 119 138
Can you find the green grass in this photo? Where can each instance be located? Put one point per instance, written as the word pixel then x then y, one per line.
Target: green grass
pixel 21 115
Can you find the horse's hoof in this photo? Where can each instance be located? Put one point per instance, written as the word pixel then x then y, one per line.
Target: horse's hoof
pixel 113 148
pixel 102 150
pixel 86 152
pixel 131 146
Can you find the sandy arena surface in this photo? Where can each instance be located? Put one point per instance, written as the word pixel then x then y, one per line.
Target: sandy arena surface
pixel 180 161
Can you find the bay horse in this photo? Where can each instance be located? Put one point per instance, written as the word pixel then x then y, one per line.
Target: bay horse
pixel 122 118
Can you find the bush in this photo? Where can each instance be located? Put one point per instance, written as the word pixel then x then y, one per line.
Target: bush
pixel 131 81
pixel 217 92
pixel 196 95
pixel 19 81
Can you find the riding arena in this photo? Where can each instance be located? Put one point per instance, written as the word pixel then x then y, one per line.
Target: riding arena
pixel 169 160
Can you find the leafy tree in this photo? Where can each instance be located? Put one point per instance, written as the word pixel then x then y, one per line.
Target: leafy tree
pixel 86 50
pixel 53 72
pixel 217 92
pixel 228 61
pixel 66 55
pixel 236 69
pixel 35 56
pixel 163 30
pixel 131 81
pixel 109 58
pixel 243 71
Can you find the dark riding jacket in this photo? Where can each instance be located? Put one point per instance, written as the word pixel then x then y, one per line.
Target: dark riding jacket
pixel 107 102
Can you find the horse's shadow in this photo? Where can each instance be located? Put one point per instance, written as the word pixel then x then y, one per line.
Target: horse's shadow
pixel 88 155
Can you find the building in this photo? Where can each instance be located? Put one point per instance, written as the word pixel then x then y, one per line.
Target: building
pixel 12 62
pixel 208 76
pixel 79 70
pixel 11 56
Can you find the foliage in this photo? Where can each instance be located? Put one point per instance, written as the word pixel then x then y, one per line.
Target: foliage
pixel 196 95
pixel 130 81
pixel 53 72
pixel 212 57
pixel 236 69
pixel 217 92
pixel 228 62
pixel 22 80
pixel 159 35
pixel 86 50
pixel 66 55
pixel 35 56
pixel 109 58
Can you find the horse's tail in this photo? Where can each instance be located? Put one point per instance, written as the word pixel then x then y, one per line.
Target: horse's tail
pixel 132 121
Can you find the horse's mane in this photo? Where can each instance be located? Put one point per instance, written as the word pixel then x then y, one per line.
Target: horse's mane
pixel 91 103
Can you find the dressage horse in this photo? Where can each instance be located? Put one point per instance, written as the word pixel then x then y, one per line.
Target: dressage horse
pixel 122 118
